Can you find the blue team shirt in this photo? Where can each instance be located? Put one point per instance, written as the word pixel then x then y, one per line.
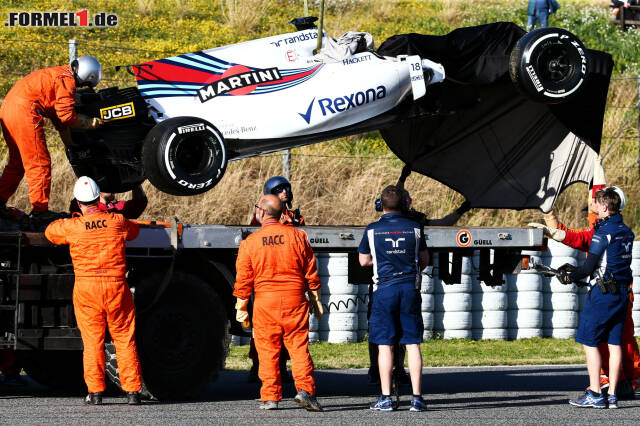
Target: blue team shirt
pixel 394 243
pixel 612 243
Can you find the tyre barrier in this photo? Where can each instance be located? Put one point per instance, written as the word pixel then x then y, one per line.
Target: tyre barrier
pixel 525 282
pixel 489 301
pixel 338 284
pixel 338 321
pixel 428 302
pixel 452 321
pixel 489 334
pixel 478 286
pixel 560 319
pixel 451 302
pixel 453 334
pixel 523 333
pixel 560 301
pixel 240 340
pixel 524 318
pixel 559 333
pixel 489 320
pixel 464 286
pixel 428 320
pixel 332 264
pixel 525 300
pixel 335 336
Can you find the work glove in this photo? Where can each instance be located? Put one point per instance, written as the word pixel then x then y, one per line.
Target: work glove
pixel 315 302
pixel 464 207
pixel 241 310
pixel 568 268
pixel 86 122
pixel 556 234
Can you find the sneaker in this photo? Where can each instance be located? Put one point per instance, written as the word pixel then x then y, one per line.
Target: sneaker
pixel 308 401
pixel 93 398
pixel 589 399
pixel 268 405
pixel 613 401
pixel 133 398
pixel 384 403
pixel 418 404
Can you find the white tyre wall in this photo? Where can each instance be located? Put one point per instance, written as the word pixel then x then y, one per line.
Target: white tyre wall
pixel 469 264
pixel 478 286
pixel 427 285
pixel 636 284
pixel 561 302
pixel 332 264
pixel 427 335
pixel 635 315
pixel 525 282
pixel 489 301
pixel 561 333
pixel 636 303
pixel 524 318
pixel 428 320
pixel 525 299
pixel 338 284
pixel 524 333
pixel 560 250
pixel 343 303
pixel 428 302
pixel 635 266
pixel 489 319
pixel 339 336
pixel 560 319
pixel 453 302
pixel 314 336
pixel 489 334
pixel 362 335
pixel 452 320
pixel 635 251
pixel 454 334
pixel 337 321
pixel 465 286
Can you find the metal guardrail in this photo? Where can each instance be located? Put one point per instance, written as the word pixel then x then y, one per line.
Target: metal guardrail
pixel 621 20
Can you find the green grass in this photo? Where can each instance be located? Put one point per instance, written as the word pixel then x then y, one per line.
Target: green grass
pixel 441 353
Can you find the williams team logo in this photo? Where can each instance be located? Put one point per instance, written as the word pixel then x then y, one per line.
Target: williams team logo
pixel 117 112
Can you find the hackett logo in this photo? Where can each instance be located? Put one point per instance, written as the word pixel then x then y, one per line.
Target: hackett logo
pixel 238 81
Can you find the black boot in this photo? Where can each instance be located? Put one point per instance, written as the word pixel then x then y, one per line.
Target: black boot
pixel 93 398
pixel 133 398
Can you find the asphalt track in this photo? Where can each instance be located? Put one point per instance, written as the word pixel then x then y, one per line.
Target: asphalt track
pixel 466 395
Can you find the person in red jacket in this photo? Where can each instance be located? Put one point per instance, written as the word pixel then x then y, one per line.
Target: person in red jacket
pixel 276 264
pixel 580 239
pixel 46 93
pixel 131 209
pixel 101 295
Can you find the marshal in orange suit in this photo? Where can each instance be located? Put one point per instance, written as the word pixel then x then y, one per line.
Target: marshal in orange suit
pixel 277 264
pixel 101 295
pixel 46 93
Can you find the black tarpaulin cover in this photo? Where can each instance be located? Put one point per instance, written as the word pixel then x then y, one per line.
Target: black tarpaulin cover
pixel 478 135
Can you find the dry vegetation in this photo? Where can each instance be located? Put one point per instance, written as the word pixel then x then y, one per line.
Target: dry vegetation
pixel 334 184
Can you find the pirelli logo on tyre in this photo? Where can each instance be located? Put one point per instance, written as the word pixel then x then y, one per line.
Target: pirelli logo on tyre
pixel 463 238
pixel 117 112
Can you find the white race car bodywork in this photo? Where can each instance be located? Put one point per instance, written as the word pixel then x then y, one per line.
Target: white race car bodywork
pixel 275 87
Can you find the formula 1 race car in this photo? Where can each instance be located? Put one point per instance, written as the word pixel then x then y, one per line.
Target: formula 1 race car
pixel 192 113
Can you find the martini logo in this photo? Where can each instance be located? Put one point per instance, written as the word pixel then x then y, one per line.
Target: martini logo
pixel 238 80
pixel 117 112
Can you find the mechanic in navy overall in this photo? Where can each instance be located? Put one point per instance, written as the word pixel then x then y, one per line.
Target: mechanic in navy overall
pixel 604 312
pixel 396 248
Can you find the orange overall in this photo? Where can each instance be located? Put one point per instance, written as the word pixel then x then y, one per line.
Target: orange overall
pixel 581 239
pixel 101 295
pixel 278 265
pixel 48 92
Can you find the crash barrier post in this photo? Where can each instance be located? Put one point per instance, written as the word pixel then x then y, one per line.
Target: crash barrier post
pixel 526 305
pixel 286 164
pixel 73 50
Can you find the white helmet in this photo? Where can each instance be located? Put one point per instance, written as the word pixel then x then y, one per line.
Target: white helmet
pixel 86 190
pixel 623 199
pixel 87 70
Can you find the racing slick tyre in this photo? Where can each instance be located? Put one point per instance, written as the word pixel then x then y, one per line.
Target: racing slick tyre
pixel 184 156
pixel 549 65
pixel 56 369
pixel 183 340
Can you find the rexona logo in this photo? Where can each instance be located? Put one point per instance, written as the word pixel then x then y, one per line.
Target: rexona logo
pixel 117 112
pixel 198 127
pixel 244 80
pixel 344 103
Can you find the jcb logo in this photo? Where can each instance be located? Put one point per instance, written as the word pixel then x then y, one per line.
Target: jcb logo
pixel 118 112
